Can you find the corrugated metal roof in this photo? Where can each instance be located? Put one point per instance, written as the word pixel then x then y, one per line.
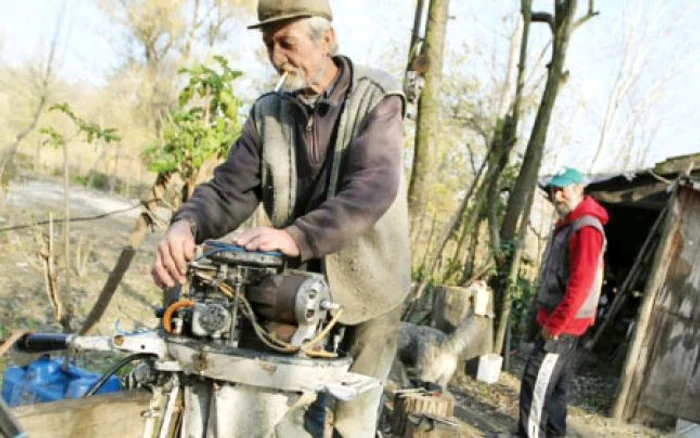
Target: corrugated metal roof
pixel 646 188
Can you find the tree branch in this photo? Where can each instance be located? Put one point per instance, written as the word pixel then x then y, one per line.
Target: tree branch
pixel 543 17
pixel 590 14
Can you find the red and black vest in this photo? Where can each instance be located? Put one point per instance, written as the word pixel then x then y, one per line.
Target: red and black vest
pixel 555 271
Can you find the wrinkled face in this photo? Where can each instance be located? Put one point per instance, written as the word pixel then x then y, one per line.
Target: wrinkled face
pixel 291 49
pixel 566 199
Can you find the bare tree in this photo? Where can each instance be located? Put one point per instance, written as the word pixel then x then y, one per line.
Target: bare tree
pixel 163 35
pixel 636 88
pixel 466 215
pixel 428 122
pixel 42 78
pixel 562 24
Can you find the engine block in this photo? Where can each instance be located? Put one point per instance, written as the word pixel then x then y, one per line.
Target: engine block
pixel 251 299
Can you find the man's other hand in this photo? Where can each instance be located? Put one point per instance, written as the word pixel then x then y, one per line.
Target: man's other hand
pixel 174 251
pixel 268 239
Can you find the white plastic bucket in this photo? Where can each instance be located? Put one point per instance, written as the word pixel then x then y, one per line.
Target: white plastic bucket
pixel 489 368
pixel 687 429
pixel 481 295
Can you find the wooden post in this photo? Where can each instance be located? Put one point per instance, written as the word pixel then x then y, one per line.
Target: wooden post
pixel 66 298
pixel 635 362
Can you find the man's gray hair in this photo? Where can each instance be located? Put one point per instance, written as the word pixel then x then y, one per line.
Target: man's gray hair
pixel 318 26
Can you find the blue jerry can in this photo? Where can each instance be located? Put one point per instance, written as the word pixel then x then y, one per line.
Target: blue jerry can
pixel 45 380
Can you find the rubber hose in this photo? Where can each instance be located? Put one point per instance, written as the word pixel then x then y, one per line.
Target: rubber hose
pixel 116 367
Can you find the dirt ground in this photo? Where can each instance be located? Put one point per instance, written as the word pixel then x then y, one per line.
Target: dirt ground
pixel 485 410
pixel 25 301
pixel 488 410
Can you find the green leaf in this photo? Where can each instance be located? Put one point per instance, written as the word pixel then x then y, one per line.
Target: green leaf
pixel 185 96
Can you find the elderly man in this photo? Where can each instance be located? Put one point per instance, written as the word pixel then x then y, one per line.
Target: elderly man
pixel 567 297
pixel 336 197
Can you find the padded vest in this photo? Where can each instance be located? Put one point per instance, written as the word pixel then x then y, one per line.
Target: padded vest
pixel 555 272
pixel 371 274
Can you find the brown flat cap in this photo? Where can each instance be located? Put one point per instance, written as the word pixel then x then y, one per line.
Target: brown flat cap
pixel 272 11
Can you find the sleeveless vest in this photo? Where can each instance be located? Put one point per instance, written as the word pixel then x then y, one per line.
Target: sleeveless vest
pixel 555 271
pixel 371 274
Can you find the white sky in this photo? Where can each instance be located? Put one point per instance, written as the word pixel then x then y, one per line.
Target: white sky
pixel 377 32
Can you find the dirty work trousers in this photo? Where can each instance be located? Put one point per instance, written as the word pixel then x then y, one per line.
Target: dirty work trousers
pixel 544 389
pixel 372 345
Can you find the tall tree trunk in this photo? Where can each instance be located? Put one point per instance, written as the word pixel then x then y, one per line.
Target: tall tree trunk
pixel 505 134
pixel 511 280
pixel 415 39
pixel 526 183
pixel 527 178
pixel 427 126
pixel 491 162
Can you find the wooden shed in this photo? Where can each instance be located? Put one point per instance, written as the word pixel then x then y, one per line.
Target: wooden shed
pixel 654 266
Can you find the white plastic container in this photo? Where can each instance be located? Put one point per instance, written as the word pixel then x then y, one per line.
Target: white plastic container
pixel 481 295
pixel 489 368
pixel 687 429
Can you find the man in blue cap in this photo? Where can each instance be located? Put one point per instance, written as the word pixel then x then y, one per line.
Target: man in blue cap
pixel 567 297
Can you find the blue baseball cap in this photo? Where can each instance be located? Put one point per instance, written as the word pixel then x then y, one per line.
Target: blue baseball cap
pixel 566 177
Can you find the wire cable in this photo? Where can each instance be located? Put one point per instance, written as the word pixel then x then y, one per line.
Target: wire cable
pixel 116 367
pixel 267 338
pixel 76 219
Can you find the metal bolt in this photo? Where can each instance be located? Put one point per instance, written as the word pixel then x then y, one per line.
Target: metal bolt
pixel 329 305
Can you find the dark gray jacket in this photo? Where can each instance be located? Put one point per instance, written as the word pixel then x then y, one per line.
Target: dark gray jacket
pixel 331 175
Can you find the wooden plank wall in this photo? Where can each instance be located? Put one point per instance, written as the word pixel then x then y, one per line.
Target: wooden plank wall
pixel 672 385
pixel 667 376
pixel 115 415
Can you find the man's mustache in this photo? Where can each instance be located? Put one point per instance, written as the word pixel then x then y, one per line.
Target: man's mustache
pixel 289 69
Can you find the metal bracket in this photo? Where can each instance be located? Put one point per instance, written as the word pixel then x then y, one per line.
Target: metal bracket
pixel 351 386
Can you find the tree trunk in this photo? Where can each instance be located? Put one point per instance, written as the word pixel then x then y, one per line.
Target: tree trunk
pixel 527 178
pixel 512 279
pixel 427 126
pixel 454 224
pixel 504 140
pixel 66 298
pixel 415 38
pixel 8 154
pixel 526 183
pixel 135 239
pixel 505 135
pixel 92 173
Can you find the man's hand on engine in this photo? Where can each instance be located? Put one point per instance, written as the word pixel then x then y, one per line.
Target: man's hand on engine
pixel 174 251
pixel 268 239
